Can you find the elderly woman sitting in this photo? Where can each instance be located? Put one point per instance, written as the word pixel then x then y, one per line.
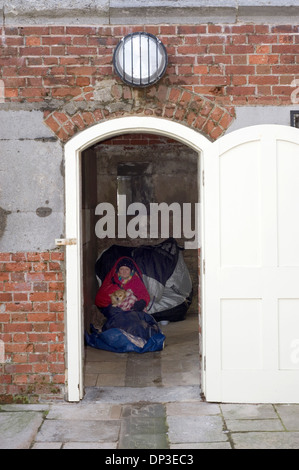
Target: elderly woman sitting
pixel 126 276
pixel 122 298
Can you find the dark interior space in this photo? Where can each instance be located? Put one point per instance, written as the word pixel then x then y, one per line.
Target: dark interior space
pixel 146 169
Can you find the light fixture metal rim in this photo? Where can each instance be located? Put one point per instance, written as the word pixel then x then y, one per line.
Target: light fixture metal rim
pixel 130 80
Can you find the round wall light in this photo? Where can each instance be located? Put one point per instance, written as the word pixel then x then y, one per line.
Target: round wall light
pixel 140 59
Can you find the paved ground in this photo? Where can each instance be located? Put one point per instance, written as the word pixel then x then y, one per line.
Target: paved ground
pixel 144 419
pixel 149 401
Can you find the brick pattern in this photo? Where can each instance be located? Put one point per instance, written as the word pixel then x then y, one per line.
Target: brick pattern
pixel 140 139
pixel 164 101
pixel 231 64
pixel 32 325
pixel 211 69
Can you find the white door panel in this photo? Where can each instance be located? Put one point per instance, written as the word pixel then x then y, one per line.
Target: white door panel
pixel 287 193
pixel 251 227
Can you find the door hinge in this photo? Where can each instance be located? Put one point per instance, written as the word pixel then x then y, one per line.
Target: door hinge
pixel 203 177
pixel 65 241
pixel 204 266
pixel 204 363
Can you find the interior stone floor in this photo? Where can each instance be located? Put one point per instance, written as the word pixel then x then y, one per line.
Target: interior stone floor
pixel 177 364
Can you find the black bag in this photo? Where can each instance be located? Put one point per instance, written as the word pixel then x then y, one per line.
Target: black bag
pixel 164 272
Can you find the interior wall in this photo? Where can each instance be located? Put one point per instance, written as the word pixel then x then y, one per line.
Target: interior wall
pixel 89 243
pixel 168 173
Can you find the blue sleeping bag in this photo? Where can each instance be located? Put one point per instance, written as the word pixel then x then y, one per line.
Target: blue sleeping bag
pixel 126 332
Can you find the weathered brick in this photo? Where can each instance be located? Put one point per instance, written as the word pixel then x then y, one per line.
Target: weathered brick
pixel 5 256
pixel 17 266
pixel 17 327
pixel 42 296
pixel 33 41
pixel 17 286
pixel 5 297
pixel 34 51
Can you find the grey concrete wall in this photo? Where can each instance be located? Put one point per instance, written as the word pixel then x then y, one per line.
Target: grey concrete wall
pixel 97 12
pixel 31 183
pixel 254 115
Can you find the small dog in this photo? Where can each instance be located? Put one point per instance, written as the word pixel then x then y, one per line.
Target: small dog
pixel 117 297
pixel 122 298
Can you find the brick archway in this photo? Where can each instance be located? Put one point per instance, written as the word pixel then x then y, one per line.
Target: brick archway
pixel 112 99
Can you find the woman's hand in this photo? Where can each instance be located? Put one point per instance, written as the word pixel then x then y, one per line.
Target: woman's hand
pixel 139 305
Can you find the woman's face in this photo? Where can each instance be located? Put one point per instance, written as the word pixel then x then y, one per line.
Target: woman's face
pixel 124 272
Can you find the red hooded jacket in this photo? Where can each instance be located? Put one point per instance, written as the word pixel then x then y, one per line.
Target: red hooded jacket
pixel 112 283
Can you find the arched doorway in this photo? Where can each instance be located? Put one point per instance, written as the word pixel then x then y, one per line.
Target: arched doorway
pixel 127 174
pixel 73 153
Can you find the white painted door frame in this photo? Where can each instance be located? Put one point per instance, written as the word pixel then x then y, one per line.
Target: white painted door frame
pixel 73 150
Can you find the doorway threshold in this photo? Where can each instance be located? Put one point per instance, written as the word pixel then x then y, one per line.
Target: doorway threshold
pixel 142 395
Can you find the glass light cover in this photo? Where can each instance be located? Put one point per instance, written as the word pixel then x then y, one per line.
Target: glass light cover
pixel 140 59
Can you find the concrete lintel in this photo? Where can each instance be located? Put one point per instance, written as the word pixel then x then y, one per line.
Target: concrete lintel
pixel 69 12
pixel 276 14
pixel 101 12
pixel 173 15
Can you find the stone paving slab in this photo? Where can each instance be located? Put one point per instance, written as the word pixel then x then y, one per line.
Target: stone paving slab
pixel 192 409
pixel 144 410
pixel 90 445
pixel 68 430
pixel 195 429
pixel 247 411
pixel 142 441
pixel 18 429
pixel 47 445
pixel 81 412
pixel 44 407
pixel 289 415
pixel 266 440
pixel 202 445
pixel 139 426
pixel 144 427
pixel 234 425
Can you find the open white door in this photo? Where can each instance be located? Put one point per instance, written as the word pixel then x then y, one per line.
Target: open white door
pixel 251 238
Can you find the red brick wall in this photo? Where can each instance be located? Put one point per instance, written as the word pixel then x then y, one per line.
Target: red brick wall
pixel 32 325
pixel 233 64
pixel 211 69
